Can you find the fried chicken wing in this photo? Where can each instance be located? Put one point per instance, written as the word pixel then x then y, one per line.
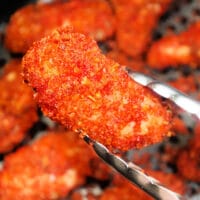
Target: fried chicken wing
pixel 18 110
pixel 48 168
pixel 176 49
pixel 136 21
pixel 34 21
pixel 79 87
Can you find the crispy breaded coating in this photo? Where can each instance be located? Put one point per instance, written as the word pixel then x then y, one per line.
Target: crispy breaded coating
pixel 48 168
pixel 176 49
pixel 136 21
pixel 188 164
pixel 18 110
pixel 79 87
pixel 34 21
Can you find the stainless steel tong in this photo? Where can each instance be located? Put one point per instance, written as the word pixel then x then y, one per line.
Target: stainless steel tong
pixel 131 171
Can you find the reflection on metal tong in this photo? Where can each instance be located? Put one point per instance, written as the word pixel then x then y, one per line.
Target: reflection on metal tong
pixel 131 171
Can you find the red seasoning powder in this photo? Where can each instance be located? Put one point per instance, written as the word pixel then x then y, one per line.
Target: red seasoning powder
pixel 79 87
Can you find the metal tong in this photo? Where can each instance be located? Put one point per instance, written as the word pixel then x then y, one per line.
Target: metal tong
pixel 128 169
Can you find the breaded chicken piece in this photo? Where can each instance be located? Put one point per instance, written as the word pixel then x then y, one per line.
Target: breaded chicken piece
pixel 79 87
pixel 34 21
pixel 176 49
pixel 18 110
pixel 172 181
pixel 48 168
pixel 136 21
pixel 188 162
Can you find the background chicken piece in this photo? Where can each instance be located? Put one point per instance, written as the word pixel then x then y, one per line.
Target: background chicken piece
pixel 123 59
pixel 169 180
pixel 82 89
pixel 125 190
pixel 176 49
pixel 188 162
pixel 185 84
pixel 49 168
pixel 136 21
pixel 33 21
pixel 18 110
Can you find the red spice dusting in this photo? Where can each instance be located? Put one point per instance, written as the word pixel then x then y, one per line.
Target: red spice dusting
pixel 79 87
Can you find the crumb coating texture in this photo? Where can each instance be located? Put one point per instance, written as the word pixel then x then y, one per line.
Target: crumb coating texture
pixel 175 50
pixel 134 33
pixel 79 87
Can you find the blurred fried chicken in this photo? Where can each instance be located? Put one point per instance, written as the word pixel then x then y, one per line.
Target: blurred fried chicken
pixel 34 21
pixel 175 50
pixel 18 110
pixel 48 168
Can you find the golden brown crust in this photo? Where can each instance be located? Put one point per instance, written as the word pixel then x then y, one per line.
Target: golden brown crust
pixel 169 180
pixel 188 162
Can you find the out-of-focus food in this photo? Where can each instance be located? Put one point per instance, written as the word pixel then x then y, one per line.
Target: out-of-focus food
pixel 79 87
pixel 169 180
pixel 188 162
pixel 137 64
pixel 136 21
pixel 175 50
pixel 179 126
pixel 48 168
pixel 18 110
pixel 185 84
pixel 125 190
pixel 121 188
pixel 34 21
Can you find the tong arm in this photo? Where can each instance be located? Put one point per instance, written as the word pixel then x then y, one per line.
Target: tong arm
pixel 133 173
